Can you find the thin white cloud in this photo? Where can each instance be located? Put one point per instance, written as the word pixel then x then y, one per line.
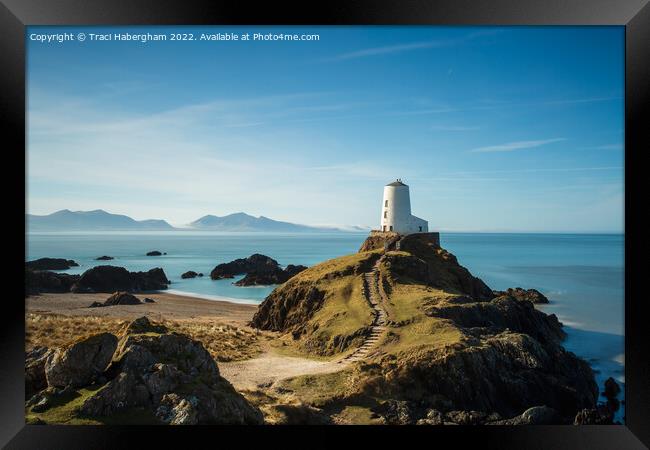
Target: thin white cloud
pixel 400 48
pixel 513 146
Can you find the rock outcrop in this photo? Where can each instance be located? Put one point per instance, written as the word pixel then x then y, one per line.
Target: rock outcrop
pixel 266 276
pixel 50 264
pixel 112 278
pixel 122 298
pixel 154 253
pixel 422 261
pixel 502 313
pixel 259 270
pixel 379 241
pixel 531 295
pixel 255 262
pixel 35 379
pixel 80 363
pixel 505 373
pixel 191 274
pixel 38 281
pixel 104 258
pixel 150 371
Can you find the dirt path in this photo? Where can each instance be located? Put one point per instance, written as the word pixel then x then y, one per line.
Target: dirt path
pixel 268 368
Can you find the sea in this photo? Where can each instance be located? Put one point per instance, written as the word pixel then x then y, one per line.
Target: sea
pixel 581 274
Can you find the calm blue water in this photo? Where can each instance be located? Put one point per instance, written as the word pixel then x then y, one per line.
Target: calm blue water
pixel 581 274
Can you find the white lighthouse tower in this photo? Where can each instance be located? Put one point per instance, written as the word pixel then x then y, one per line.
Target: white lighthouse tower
pixel 396 211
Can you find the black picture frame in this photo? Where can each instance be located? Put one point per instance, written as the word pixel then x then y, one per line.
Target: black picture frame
pixel 15 15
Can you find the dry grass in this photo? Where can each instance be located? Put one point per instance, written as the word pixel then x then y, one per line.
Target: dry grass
pixel 224 342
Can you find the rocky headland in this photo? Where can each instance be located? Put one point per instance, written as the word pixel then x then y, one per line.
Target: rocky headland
pixel 437 344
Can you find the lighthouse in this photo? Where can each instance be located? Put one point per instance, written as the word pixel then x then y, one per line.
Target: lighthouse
pixel 396 211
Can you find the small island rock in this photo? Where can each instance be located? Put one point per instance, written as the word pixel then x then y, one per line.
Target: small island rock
pixel 50 264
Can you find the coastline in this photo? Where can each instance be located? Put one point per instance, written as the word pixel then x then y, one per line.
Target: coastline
pixel 168 305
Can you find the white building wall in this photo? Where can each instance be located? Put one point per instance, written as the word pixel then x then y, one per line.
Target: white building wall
pixel 396 212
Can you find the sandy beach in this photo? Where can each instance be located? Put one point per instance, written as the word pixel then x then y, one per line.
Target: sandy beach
pixel 167 306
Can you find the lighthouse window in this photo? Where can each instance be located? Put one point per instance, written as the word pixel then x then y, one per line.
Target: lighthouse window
pixel 386 203
pixel 385 214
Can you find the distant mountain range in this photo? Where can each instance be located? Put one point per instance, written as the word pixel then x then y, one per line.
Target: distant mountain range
pixel 244 222
pixel 98 220
pixel 66 220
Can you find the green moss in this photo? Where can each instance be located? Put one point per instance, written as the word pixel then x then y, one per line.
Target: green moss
pixel 65 411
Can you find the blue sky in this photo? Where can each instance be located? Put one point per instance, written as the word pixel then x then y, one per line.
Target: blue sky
pixel 494 129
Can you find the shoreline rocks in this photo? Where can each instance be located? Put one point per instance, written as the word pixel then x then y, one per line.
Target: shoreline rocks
pixel 155 253
pixel 104 258
pixel 258 269
pixel 531 295
pixel 37 281
pixel 112 278
pixel 191 274
pixel 50 264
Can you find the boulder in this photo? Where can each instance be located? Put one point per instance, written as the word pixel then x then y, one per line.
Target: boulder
pixel 35 379
pixel 116 396
pixel 104 258
pixel 171 375
pixel 81 362
pixel 531 295
pixel 432 417
pixel 537 415
pixel 397 412
pixel 122 298
pixel 37 281
pixel 149 300
pixel 154 253
pixel 96 305
pixel 594 416
pixel 255 262
pixel 189 274
pixel 177 410
pixel 143 325
pixel 50 264
pixel 111 278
